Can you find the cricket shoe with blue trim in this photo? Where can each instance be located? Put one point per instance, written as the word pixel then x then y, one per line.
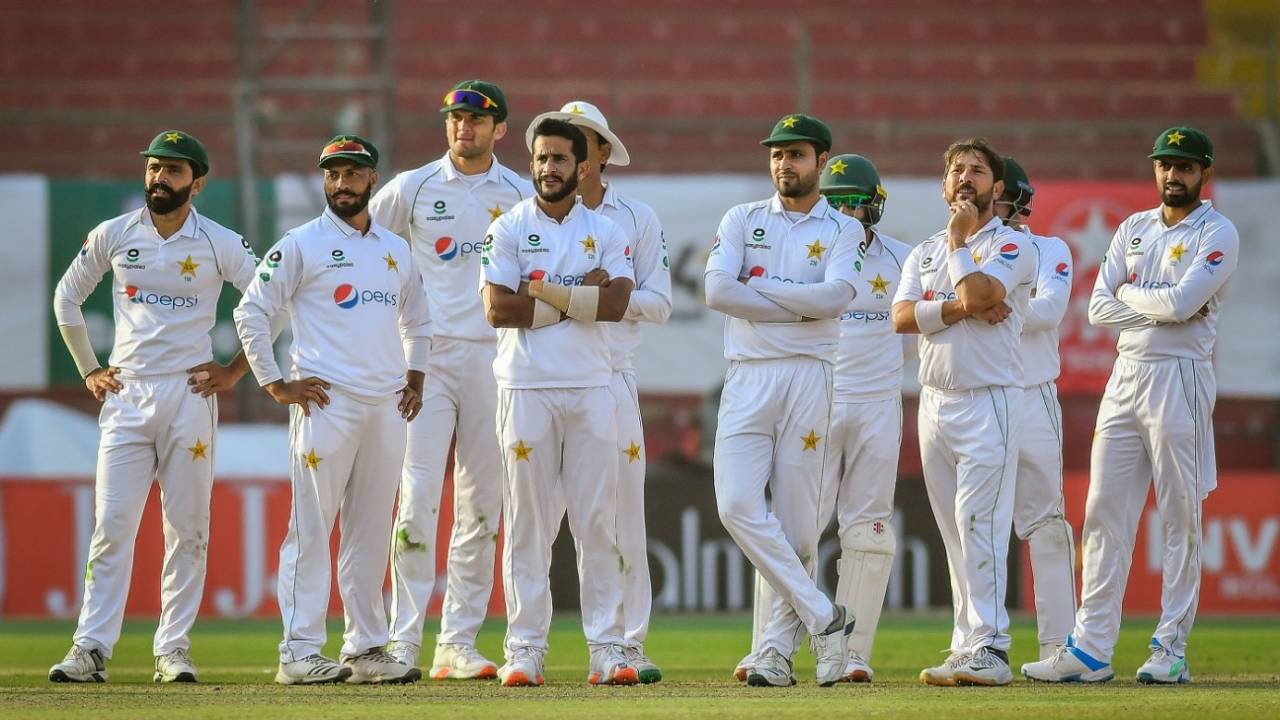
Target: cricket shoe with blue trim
pixel 1163 667
pixel 1069 664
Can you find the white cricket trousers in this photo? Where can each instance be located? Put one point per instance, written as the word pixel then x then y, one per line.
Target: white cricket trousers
pixel 559 445
pixel 344 463
pixel 154 430
pixel 460 396
pixel 1039 515
pixel 969 453
pixel 1155 421
pixel 772 432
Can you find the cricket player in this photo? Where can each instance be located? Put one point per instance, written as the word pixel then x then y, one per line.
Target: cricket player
pixel 1039 514
pixel 1160 285
pixel 650 302
pixel 866 419
pixel 159 411
pixel 553 272
pixel 359 316
pixel 443 209
pixel 965 291
pixel 783 270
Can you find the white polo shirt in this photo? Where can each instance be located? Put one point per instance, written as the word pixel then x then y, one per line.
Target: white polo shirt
pixel 1165 275
pixel 164 291
pixel 356 304
pixel 973 353
pixel 526 244
pixel 762 240
pixel 651 300
pixel 869 360
pixel 1050 297
pixel 444 215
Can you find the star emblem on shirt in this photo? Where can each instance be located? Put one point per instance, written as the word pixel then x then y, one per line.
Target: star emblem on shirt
pixel 815 250
pixel 838 167
pixel 188 267
pixel 977 257
pixel 588 245
pixel 811 440
pixel 789 122
pixel 1175 138
pixel 632 452
pixel 198 450
pixel 312 460
pixel 1176 252
pixel 495 212
pixel 879 284
pixel 172 137
pixel 521 450
pixel 391 263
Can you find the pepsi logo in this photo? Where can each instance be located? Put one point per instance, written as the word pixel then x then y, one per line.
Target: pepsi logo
pixel 626 252
pixel 756 271
pixel 928 294
pixel 1215 258
pixel 144 297
pixel 446 248
pixel 1133 277
pixel 346 296
pixel 1061 270
pixel 538 275
pixel 1009 251
pixel 132 292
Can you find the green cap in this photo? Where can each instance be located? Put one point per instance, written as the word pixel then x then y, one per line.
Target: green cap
pixel 1016 182
pixel 1183 142
pixel 477 96
pixel 177 144
pixel 350 147
pixel 800 127
pixel 853 180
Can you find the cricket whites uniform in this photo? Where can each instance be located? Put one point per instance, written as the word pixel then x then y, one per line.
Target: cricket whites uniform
pixel 970 399
pixel 164 297
pixel 1039 516
pixel 1155 420
pixel 775 410
pixel 359 317
pixel 444 215
pixel 555 425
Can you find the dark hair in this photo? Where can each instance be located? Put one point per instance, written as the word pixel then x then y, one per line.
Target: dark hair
pixel 196 172
pixel 977 145
pixel 560 128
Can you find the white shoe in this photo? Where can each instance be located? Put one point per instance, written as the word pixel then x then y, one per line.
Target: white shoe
pixel 1069 664
pixel 312 670
pixel 944 675
pixel 771 669
pixel 80 665
pixel 986 667
pixel 377 667
pixel 831 649
pixel 405 653
pixel 1163 667
pixel 524 669
pixel 455 661
pixel 646 669
pixel 175 667
pixel 857 670
pixel 609 666
pixel 743 669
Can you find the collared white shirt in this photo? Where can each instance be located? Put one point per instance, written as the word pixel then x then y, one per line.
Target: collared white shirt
pixel 869 360
pixel 1050 297
pixel 526 244
pixel 763 240
pixel 651 299
pixel 972 353
pixel 1155 279
pixel 164 291
pixel 356 304
pixel 444 215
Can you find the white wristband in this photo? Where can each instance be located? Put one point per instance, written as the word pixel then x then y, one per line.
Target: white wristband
pixel 544 314
pixel 929 316
pixel 960 265
pixel 584 301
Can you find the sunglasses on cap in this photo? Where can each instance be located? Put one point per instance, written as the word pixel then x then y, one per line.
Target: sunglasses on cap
pixel 470 97
pixel 851 200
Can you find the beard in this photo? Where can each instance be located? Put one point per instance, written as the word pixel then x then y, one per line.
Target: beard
pixel 980 201
pixel 569 187
pixel 1188 196
pixel 799 187
pixel 353 209
pixel 167 203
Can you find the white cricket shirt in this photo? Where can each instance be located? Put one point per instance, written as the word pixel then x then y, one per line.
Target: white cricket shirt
pixel 356 304
pixel 444 215
pixel 869 360
pixel 1155 279
pixel 164 292
pixel 1050 296
pixel 972 353
pixel 526 244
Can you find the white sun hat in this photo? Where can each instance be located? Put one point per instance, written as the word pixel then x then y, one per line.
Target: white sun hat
pixel 578 112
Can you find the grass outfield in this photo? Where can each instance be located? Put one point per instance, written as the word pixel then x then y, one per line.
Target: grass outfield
pixel 1235 665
